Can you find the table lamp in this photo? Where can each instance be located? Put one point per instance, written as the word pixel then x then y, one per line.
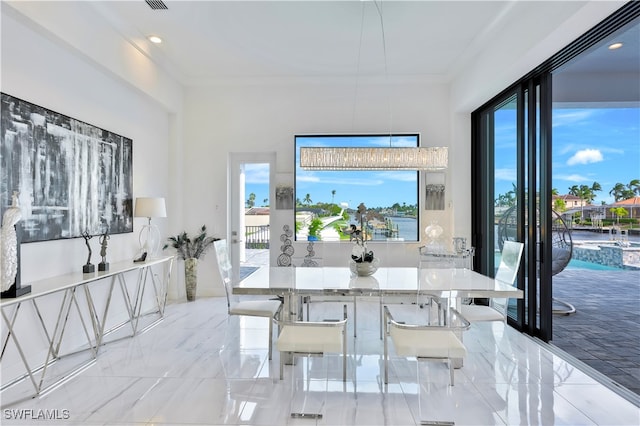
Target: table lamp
pixel 149 237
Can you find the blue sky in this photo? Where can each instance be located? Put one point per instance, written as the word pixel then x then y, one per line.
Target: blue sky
pixel 350 187
pixel 374 188
pixel 589 145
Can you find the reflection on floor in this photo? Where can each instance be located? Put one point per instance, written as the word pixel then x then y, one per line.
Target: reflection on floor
pixel 199 367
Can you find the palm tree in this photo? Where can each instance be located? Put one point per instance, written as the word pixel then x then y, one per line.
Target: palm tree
pixel 559 205
pixel 634 186
pixel 333 194
pixel 252 200
pixel 618 191
pixel 619 212
pixel 595 187
pixel 585 193
pixel 307 199
pixel 574 190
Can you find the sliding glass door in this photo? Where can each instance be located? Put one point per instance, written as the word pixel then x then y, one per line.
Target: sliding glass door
pixel 508 151
pixel 512 159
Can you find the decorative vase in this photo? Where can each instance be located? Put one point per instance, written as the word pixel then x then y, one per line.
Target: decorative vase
pixel 191 277
pixel 364 269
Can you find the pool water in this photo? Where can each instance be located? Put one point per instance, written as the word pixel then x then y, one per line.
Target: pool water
pixel 581 264
pixel 577 264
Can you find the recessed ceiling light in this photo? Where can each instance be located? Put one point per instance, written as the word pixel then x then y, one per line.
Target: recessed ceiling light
pixel 155 39
pixel 614 46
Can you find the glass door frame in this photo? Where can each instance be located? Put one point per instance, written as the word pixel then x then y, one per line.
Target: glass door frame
pixel 533 198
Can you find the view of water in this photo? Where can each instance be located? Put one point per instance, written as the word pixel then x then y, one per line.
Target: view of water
pixel 598 236
pixel 407 229
pixel 581 264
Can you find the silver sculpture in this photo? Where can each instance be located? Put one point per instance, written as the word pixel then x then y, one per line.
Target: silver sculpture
pixel 104 239
pixel 89 267
pixel 9 244
pixel 284 259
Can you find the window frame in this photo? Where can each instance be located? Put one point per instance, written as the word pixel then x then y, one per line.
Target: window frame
pixel 384 137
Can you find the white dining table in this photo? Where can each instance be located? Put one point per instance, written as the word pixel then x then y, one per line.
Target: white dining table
pixel 292 283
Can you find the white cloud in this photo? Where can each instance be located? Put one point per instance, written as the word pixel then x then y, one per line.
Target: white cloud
pixel 585 156
pixel 340 181
pixel 402 176
pixel 307 178
pixel 505 174
pixel 257 173
pixel 572 178
pixel 571 117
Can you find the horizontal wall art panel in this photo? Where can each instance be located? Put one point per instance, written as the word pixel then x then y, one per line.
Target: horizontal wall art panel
pixel 71 177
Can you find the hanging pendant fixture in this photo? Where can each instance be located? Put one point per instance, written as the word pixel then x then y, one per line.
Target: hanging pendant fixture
pixel 374 158
pixel 399 158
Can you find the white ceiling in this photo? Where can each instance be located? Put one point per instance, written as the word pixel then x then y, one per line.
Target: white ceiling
pixel 216 39
pixel 206 40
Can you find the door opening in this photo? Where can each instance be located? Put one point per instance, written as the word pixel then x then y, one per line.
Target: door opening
pixel 250 195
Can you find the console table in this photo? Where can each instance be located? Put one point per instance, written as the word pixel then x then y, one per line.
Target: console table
pixel 460 259
pixel 84 302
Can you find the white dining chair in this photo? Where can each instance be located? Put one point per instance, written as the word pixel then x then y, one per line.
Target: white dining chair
pixel 253 308
pixel 313 338
pixel 425 342
pixel 317 261
pixel 507 273
pixel 421 299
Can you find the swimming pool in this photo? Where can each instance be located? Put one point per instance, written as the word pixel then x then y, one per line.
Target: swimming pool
pixel 581 264
pixel 575 264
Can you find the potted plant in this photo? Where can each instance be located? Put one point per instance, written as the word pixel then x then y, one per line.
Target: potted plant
pixel 314 230
pixel 190 250
pixel 363 263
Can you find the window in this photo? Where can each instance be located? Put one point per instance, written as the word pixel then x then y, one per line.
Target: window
pixel 328 199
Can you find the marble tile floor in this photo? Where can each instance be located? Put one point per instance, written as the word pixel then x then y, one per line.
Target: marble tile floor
pixel 199 367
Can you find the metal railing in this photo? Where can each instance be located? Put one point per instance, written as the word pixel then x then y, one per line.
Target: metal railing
pixel 256 237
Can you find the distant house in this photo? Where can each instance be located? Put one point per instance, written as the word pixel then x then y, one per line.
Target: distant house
pixel 631 205
pixel 570 201
pixel 631 202
pixel 600 212
pixel 256 216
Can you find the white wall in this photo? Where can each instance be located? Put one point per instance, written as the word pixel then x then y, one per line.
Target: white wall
pixel 265 117
pixel 39 71
pixel 37 68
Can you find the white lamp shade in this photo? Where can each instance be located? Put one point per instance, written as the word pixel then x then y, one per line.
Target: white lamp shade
pixel 150 207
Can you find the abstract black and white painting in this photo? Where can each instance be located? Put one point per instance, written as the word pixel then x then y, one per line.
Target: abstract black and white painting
pixel 71 177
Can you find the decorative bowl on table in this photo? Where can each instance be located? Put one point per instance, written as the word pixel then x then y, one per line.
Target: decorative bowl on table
pixel 364 269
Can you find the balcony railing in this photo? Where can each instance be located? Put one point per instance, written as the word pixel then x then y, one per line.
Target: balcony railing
pixel 256 237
